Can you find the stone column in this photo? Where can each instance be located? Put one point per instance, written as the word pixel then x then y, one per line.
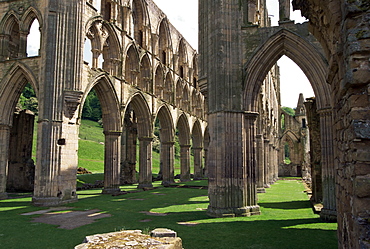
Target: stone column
pixel 271 164
pixel 266 163
pixel 329 212
pixel 260 169
pixel 22 44
pixel 128 158
pixel 231 161
pixel 284 10
pixel 198 169
pixel 185 162
pixel 112 161
pixel 4 152
pixel 168 152
pixel 145 162
pixel 276 163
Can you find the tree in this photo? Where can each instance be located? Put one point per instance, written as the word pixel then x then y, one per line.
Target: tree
pixel 92 107
pixel 288 110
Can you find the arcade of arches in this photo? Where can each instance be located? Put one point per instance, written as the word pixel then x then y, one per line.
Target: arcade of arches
pixel 224 102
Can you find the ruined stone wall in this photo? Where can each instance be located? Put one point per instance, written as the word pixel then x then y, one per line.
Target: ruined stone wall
pixel 342 28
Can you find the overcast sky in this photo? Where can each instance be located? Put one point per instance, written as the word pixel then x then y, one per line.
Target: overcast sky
pixel 184 16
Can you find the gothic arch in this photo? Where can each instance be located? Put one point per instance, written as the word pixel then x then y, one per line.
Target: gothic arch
pixel 197 135
pixel 28 17
pixel 132 65
pixel 184 129
pixel 10 28
pixel 140 22
pixel 164 42
pixel 108 98
pixel 168 88
pixel 145 74
pixel 159 81
pixel 291 136
pixel 179 93
pixel 284 42
pixel 13 85
pixel 142 111
pixel 182 63
pixel 166 122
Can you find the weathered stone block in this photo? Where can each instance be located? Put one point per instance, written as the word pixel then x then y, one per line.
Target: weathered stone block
pixel 362 186
pixel 361 128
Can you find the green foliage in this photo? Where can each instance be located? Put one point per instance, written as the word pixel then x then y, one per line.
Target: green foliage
pixel 28 99
pixel 92 107
pixel 286 221
pixel 289 110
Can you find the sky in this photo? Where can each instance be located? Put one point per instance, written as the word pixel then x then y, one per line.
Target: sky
pixel 184 16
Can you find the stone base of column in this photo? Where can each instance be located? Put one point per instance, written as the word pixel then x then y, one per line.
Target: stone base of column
pixel 52 201
pixel 110 191
pixel 145 185
pixel 185 179
pixel 3 196
pixel 261 190
pixel 233 212
pixel 328 215
pixel 267 186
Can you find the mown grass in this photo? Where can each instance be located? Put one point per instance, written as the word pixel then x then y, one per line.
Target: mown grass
pixel 287 220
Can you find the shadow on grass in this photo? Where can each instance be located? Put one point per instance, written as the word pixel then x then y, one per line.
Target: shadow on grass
pixel 286 205
pixel 179 205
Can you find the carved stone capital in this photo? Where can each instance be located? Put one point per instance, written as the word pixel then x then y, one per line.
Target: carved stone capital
pixel 72 100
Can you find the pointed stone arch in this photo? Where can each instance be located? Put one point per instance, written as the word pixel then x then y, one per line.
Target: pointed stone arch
pixel 145 135
pixel 167 139
pixel 186 98
pixel 197 146
pixel 12 86
pixel 305 55
pixel 159 81
pixel 164 42
pixel 132 65
pixel 168 88
pixel 182 63
pixel 11 40
pixel 141 23
pixel 28 17
pixel 179 93
pixel 145 82
pixel 184 140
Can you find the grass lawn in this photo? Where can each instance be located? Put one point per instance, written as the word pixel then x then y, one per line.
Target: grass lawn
pixel 287 221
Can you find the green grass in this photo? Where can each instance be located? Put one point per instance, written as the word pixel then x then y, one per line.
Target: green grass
pixel 287 221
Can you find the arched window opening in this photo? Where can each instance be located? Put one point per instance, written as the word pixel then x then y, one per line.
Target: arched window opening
pixel 195 85
pixel 34 39
pixel 164 43
pixel 164 57
pixel 181 73
pixel 304 125
pixel 287 153
pixel 22 155
pixel 282 122
pixel 14 41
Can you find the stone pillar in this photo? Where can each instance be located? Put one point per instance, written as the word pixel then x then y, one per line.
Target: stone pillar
pixel 112 161
pixel 271 164
pixel 267 170
pixel 22 44
pixel 145 163
pixel 198 169
pixel 276 163
pixel 185 162
pixel 260 169
pixel 284 10
pixel 168 152
pixel 59 97
pixel 4 153
pixel 329 211
pixel 231 172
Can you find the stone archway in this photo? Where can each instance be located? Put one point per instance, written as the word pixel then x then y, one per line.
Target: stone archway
pixel 145 136
pixel 312 62
pixel 184 140
pixel 111 117
pixel 16 80
pixel 167 140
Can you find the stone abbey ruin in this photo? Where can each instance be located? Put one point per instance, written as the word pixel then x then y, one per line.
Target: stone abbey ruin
pixel 224 102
